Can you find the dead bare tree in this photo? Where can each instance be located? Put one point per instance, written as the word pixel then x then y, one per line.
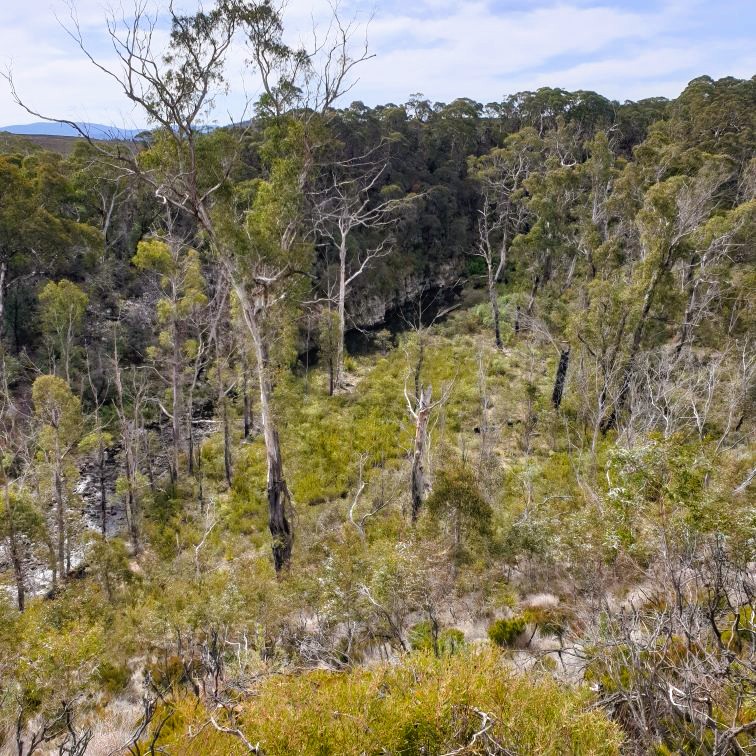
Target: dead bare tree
pixel 60 728
pixel 420 411
pixel 680 660
pixel 343 207
pixel 420 404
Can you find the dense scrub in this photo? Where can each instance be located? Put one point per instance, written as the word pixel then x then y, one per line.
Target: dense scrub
pixel 522 522
pixel 469 701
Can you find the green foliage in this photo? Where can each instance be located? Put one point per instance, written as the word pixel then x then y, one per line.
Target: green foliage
pixel 55 650
pixel 628 242
pixel 456 497
pixel 63 305
pixel 505 632
pixel 113 678
pixel 449 640
pixel 109 562
pixel 420 706
pixel 58 410
pixel 20 514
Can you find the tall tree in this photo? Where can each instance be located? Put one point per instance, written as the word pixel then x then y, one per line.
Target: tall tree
pixel 179 308
pixel 64 305
pixel 176 91
pixel 501 174
pixel 356 223
pixel 59 414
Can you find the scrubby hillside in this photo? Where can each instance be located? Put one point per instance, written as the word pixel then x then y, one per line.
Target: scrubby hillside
pixel 409 429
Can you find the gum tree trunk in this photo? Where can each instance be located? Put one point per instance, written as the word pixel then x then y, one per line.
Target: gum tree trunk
pixel 418 455
pixel 494 307
pixel 338 377
pixel 278 492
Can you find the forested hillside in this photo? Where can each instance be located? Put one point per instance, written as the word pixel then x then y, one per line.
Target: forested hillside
pixel 421 428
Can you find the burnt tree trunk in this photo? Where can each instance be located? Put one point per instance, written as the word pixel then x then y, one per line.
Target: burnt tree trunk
pixel 247 401
pixel 561 376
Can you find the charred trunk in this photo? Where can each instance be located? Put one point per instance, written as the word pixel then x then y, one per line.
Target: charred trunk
pixel 561 376
pixel 278 524
pixel 247 402
pixel 495 312
pixel 227 461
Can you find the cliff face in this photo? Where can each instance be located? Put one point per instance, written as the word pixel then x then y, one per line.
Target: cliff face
pixel 368 308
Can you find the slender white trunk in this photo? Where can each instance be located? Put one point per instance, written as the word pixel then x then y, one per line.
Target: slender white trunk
pixel 418 456
pixel 278 492
pixel 339 367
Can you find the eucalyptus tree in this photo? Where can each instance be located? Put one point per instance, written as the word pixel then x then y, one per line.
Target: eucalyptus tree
pixel 501 174
pixel 22 523
pixel 63 306
pixel 673 211
pixel 553 198
pixel 189 169
pixel 180 313
pixel 130 399
pixel 58 412
pixel 350 217
pixel 725 238
pixel 38 231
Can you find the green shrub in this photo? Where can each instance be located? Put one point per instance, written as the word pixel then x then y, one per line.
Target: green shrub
pixel 113 677
pixel 504 632
pixel 450 640
pixel 423 705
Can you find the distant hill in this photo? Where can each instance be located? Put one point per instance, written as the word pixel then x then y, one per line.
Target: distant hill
pixel 28 143
pixel 94 130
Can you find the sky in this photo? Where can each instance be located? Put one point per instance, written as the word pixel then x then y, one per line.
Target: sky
pixel 482 49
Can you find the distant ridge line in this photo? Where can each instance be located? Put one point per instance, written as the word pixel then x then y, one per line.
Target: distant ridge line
pixel 93 130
